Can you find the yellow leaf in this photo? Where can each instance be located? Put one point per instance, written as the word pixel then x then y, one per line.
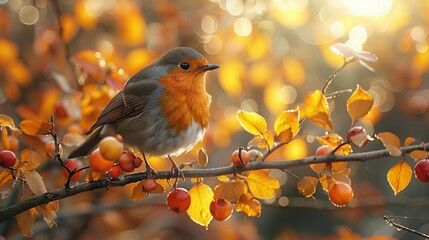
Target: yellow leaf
pixel 30 160
pixel 252 122
pixel 250 206
pixel 316 109
pixel 199 210
pixel 391 143
pixel 261 184
pixel 25 222
pixel 307 186
pixel 326 181
pixel 35 127
pixel 138 191
pixel 334 140
pixel 399 176
pixel 35 182
pixel 419 155
pixel 287 124
pixel 359 104
pixel 408 141
pixel 230 191
pixel 202 157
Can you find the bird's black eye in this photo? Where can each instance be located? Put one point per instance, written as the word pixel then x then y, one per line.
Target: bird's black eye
pixel 184 65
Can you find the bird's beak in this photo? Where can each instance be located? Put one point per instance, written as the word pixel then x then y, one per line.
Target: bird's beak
pixel 208 67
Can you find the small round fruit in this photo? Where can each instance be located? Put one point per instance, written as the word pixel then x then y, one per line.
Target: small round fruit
pixel 322 151
pixel 126 162
pixel 50 148
pixel 242 160
pixel 340 194
pixel 179 200
pixel 421 170
pixel 220 209
pixel 73 164
pixel 254 155
pixel 111 149
pixel 98 163
pixel 357 136
pixel 149 185
pixel 7 159
pixel 115 171
pixel 137 162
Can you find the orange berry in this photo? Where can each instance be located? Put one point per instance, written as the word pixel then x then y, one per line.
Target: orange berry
pixel 114 172
pixel 111 149
pixel 149 185
pixel 98 163
pixel 221 209
pixel 73 164
pixel 242 160
pixel 126 162
pixel 322 151
pixel 50 148
pixel 179 200
pixel 340 194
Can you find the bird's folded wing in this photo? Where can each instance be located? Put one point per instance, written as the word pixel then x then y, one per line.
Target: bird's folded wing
pixel 128 103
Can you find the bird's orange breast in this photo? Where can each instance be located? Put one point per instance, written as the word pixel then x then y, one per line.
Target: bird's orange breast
pixel 185 100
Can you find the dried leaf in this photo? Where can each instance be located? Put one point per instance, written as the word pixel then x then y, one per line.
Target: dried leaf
pixel 93 176
pixel 25 222
pixel 199 210
pixel 138 191
pixel 342 177
pixel 72 139
pixel 359 104
pixel 307 186
pixel 250 206
pixel 35 127
pixel 252 122
pixel 391 143
pixel 48 216
pixel 408 141
pixel 399 176
pixel 230 191
pixel 5 177
pixel 261 184
pixel 257 141
pixel 326 181
pixel 316 110
pixel 419 155
pixel 203 159
pixel 286 125
pixel 30 160
pixel 342 50
pixel 6 121
pixel 366 56
pixel 35 182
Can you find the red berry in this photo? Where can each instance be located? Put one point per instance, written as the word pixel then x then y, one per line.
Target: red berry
pixel 137 162
pixel 179 200
pixel 220 209
pixel 73 164
pixel 7 159
pixel 149 185
pixel 421 170
pixel 340 194
pixel 237 161
pixel 114 172
pixel 60 111
pixel 357 136
pixel 126 162
pixel 98 163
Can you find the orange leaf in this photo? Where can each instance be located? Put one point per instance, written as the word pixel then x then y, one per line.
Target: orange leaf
pixel 5 138
pixel 408 141
pixel 25 222
pixel 35 182
pixel 316 109
pixel 35 127
pixel 326 181
pixel 286 125
pixel 307 186
pixel 30 160
pixel 93 176
pixel 359 104
pixel 419 155
pixel 230 191
pixel 199 210
pixel 6 121
pixel 252 122
pixel 261 184
pixel 138 191
pixel 250 206
pixel 5 177
pixel 72 139
pixel 334 140
pixel 399 176
pixel 391 143
pixel 203 159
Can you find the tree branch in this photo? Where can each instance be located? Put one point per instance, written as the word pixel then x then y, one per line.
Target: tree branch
pixel 57 194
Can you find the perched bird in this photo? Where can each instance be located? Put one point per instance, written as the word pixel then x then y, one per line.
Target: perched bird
pixel 163 110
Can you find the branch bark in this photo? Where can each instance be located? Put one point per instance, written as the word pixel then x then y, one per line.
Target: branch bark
pixel 57 194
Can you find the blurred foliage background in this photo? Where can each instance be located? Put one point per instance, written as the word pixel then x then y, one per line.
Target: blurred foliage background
pixel 272 53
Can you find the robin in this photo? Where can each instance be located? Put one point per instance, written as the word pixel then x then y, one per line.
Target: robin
pixel 163 110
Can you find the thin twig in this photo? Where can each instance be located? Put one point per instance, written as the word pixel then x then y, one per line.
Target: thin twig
pixel 398 226
pixel 333 75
